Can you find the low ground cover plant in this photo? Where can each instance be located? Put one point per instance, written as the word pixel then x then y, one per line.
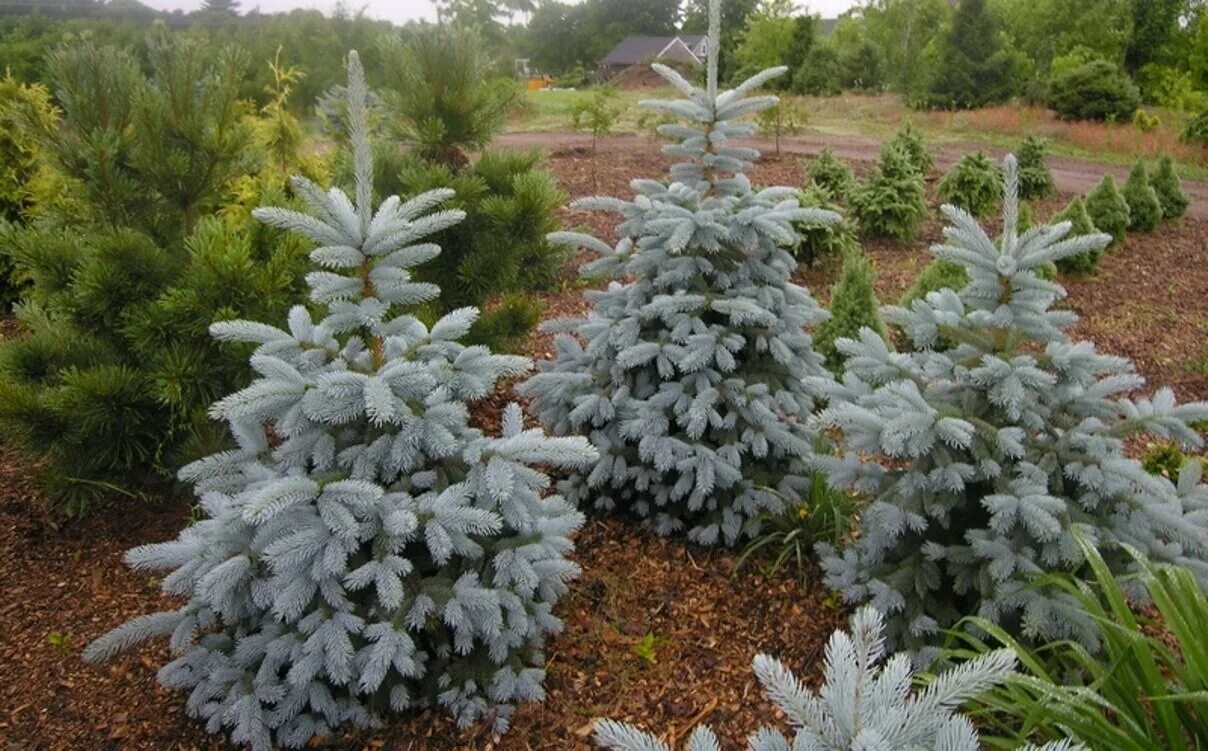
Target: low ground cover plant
pixel 1144 688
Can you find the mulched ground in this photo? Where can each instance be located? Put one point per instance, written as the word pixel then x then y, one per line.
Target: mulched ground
pixel 65 585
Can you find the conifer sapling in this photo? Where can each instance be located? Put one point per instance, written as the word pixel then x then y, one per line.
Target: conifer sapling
pixel 687 372
pixel 364 550
pixel 974 183
pixel 866 702
pixel 1170 190
pixel 1035 179
pixel 817 240
pixel 1080 224
pixel 1108 209
pixel 988 460
pixel 831 174
pixel 1144 207
pixel 853 306
pixel 892 200
pixel 910 140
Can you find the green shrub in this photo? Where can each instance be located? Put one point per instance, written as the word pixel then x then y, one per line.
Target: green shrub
pixel 1035 180
pixel 819 240
pixel 111 384
pixel 443 94
pixel 820 73
pixel 1145 122
pixel 1144 688
pixel 1164 459
pixel 499 248
pixel 441 89
pixel 831 174
pixel 1076 214
pixel 1144 207
pixel 1170 190
pixel 1108 209
pixel 974 184
pixel 853 306
pixel 1095 90
pixel 892 200
pixel 823 515
pixel 1196 131
pixel 939 274
pixel 910 140
pixel 1026 222
pixel 24 109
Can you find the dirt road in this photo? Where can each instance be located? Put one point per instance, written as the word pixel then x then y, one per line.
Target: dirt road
pixel 1070 175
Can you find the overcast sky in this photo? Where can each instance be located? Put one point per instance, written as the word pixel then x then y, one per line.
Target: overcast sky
pixel 400 11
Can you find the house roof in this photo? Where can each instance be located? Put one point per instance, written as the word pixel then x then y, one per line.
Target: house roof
pixel 639 49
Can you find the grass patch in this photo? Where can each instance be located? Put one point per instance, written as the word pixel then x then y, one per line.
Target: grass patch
pixel 551 110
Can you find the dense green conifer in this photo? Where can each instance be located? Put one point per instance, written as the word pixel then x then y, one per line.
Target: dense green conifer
pixel 1144 206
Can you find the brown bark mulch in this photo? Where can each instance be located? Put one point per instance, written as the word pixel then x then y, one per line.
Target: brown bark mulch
pixel 65 584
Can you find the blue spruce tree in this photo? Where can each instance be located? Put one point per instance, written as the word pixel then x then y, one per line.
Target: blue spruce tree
pixel 865 703
pixel 687 374
pixel 987 459
pixel 364 550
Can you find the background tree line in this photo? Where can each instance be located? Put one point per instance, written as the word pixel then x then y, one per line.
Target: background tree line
pixel 1118 53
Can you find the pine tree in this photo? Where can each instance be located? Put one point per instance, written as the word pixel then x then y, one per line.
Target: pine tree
pixel 442 94
pixel 987 461
pixel 364 550
pixel 892 200
pixel 1144 206
pixel 974 184
pixel 1035 180
pixel 687 373
pixel 831 174
pixel 1170 191
pixel 443 98
pixel 853 306
pixel 127 269
pixel 1080 224
pixel 972 69
pixel 865 702
pixel 1108 210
